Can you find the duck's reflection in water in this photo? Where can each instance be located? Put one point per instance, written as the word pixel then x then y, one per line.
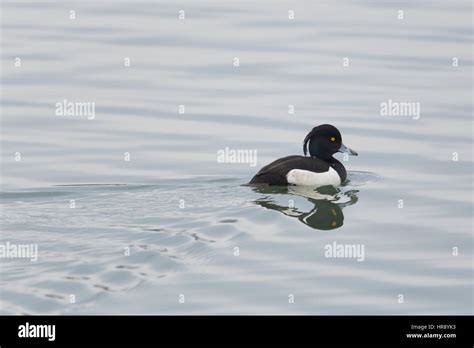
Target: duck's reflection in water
pixel 325 212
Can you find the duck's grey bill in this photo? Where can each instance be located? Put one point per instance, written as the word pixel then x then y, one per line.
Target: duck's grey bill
pixel 345 149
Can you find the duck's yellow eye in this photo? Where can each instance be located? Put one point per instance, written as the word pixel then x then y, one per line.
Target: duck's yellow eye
pixel 333 138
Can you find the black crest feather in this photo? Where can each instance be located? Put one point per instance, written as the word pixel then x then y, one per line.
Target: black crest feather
pixel 306 140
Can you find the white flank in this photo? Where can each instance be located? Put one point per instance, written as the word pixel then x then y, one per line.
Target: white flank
pixel 307 178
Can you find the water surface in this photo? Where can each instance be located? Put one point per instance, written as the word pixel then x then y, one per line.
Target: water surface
pixel 169 221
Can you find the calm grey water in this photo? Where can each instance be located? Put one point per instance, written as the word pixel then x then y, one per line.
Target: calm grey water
pixel 171 230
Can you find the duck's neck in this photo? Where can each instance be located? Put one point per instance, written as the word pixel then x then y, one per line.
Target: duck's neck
pixel 338 167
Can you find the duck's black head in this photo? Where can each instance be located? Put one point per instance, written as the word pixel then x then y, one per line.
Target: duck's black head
pixel 324 141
